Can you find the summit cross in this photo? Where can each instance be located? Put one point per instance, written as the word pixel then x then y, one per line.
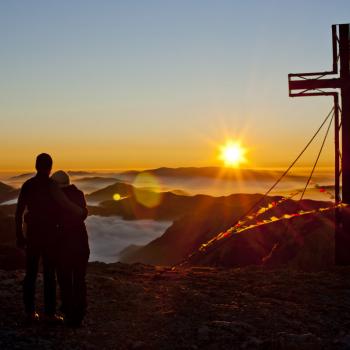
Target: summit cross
pixel 334 83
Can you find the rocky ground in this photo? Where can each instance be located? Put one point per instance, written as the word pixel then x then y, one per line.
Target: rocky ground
pixel 147 307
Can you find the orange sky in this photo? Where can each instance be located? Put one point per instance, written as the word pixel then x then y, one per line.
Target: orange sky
pixel 147 86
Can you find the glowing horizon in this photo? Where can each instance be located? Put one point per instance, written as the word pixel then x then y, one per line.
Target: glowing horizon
pixel 161 83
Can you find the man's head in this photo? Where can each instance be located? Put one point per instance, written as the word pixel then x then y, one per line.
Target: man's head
pixel 43 163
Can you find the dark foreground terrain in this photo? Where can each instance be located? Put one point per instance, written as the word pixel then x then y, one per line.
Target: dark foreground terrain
pixel 146 307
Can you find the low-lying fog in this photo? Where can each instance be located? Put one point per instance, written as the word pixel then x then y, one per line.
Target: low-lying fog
pixel 92 181
pixel 110 235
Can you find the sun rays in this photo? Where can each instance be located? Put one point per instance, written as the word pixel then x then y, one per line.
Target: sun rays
pixel 232 154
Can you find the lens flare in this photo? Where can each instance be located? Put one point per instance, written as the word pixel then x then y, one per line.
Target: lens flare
pixel 117 197
pixel 147 190
pixel 232 154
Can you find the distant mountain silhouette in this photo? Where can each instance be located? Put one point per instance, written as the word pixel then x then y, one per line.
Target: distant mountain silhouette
pixel 171 207
pixel 23 177
pixel 5 188
pixel 7 192
pixel 78 173
pixel 97 179
pixel 107 193
pixel 212 172
pixel 26 176
pixel 124 190
pixel 180 192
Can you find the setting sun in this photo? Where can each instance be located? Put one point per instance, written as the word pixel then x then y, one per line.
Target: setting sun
pixel 232 154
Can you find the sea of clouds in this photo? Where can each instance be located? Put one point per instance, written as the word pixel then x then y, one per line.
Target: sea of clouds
pixel 110 235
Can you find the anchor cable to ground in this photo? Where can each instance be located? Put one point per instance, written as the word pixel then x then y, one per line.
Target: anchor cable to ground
pixel 317 158
pixel 288 169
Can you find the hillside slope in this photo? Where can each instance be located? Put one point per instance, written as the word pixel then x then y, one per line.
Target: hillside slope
pixel 7 192
pixel 305 241
pixel 203 225
pixel 201 221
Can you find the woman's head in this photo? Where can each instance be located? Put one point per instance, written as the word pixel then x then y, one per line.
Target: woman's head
pixel 61 178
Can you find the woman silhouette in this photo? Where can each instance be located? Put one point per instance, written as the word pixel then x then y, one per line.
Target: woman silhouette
pixel 72 254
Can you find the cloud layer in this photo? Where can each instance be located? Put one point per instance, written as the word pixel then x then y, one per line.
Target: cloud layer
pixel 110 235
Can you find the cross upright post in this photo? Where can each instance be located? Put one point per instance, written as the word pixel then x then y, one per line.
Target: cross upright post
pixel 344 57
pixel 313 84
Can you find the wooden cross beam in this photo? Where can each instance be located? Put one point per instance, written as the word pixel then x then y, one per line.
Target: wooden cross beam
pixel 329 83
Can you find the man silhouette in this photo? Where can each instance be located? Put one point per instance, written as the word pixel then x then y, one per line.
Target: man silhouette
pixel 42 198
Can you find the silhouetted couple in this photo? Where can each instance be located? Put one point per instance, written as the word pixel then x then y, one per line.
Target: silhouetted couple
pixel 53 212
